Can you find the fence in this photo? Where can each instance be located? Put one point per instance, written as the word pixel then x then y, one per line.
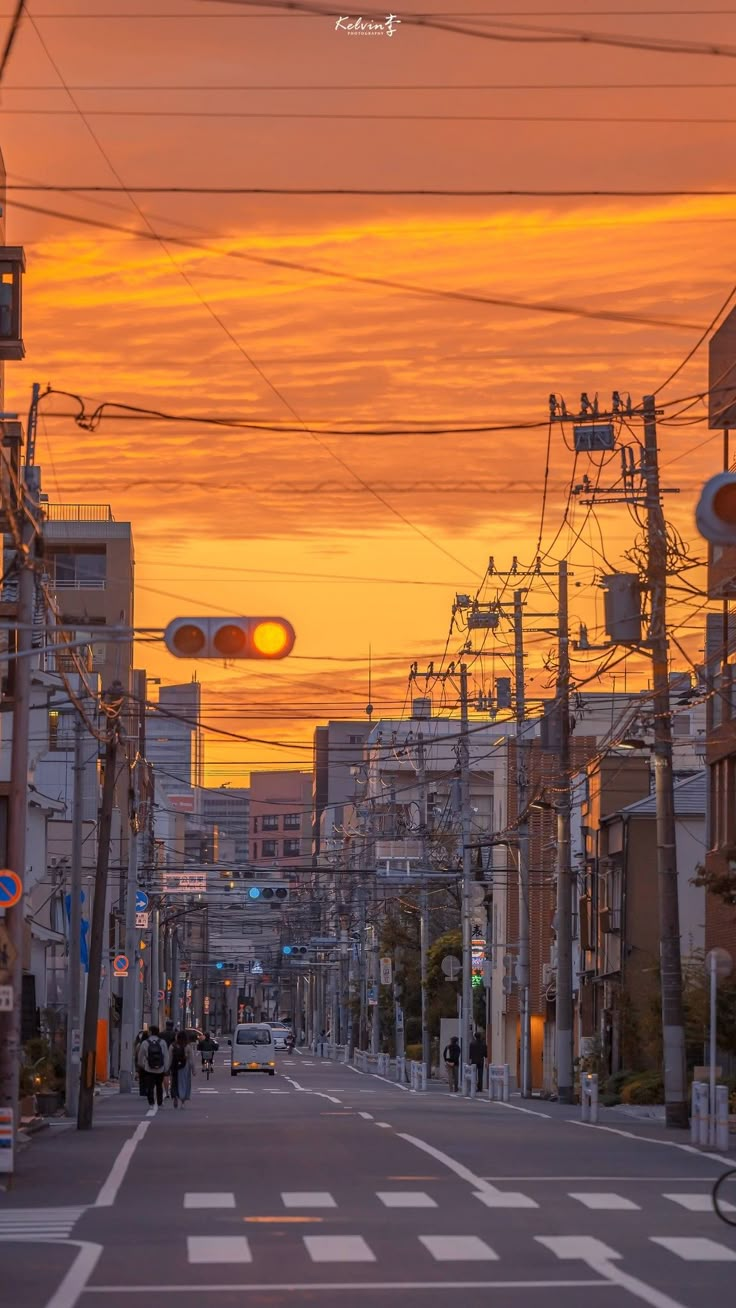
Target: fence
pixel 498 1081
pixel 589 1097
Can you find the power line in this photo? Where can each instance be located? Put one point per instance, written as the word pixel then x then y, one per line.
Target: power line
pixel 15 23
pixel 339 116
pixel 393 192
pixel 382 87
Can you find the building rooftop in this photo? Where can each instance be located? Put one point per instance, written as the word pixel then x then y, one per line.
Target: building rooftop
pixel 689 799
pixel 78 513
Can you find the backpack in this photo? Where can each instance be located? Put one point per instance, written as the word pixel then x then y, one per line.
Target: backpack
pixel 155 1055
pixel 179 1058
pixel 452 1054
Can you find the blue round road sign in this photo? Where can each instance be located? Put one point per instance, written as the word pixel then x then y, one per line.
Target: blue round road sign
pixel 11 888
pixel 141 901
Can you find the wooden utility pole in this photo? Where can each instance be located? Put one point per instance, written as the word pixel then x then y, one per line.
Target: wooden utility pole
pixel 98 925
pixel 424 899
pixel 564 994
pixel 522 791
pixel 673 1030
pixel 466 1010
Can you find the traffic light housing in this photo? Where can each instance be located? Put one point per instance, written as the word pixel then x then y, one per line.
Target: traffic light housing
pixel 295 951
pixel 229 638
pixel 268 892
pixel 715 516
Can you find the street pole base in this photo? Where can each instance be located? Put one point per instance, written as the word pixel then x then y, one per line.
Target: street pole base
pixel 126 1083
pixel 676 1116
pixel 566 1095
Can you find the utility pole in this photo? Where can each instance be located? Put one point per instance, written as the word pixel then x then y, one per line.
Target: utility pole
pixel 155 967
pixel 130 983
pixel 466 1009
pixel 398 989
pixel 424 901
pixel 522 790
pixel 10 1022
pixel 564 1004
pixel 74 961
pixel 98 933
pixel 673 1031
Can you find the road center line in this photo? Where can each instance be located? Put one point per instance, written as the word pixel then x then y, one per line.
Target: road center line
pixel 68 1292
pixel 109 1192
pixel 478 1182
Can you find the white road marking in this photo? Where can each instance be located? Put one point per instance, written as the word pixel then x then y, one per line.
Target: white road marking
pixel 405 1199
pixel 368 1116
pixel 458 1248
pixel 311 1287
pixel 308 1199
pixel 244 1092
pixel 385 1125
pixel 599 1258
pixel 70 1290
pixel 209 1199
pixel 109 1192
pixel 36 1222
pixel 218 1249
pixel 649 1139
pixel 531 1112
pixel 698 1203
pixel 279 1092
pixel 695 1249
pixel 338 1249
pixel 606 1202
pixel 205 1090
pixel 506 1199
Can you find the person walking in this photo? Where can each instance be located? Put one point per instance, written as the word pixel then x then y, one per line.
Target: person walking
pixel 478 1052
pixel 154 1059
pixel 183 1068
pixel 142 1083
pixel 169 1035
pixel 452 1063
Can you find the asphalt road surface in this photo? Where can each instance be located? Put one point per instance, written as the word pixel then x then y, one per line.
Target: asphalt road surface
pixel 323 1186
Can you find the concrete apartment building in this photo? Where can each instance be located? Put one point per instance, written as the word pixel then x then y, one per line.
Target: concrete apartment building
pixel 339 750
pixel 227 809
pixel 174 746
pixel 280 820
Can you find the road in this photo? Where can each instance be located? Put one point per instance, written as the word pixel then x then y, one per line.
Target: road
pixel 323 1183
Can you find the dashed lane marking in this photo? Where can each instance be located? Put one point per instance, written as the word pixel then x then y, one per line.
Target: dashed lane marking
pixel 406 1199
pixel 308 1199
pixel 338 1249
pixel 695 1249
pixel 458 1248
pixel 209 1199
pixel 218 1249
pixel 609 1203
pixel 698 1203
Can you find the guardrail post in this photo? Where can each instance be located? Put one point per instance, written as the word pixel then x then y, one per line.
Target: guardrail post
pixel 721 1123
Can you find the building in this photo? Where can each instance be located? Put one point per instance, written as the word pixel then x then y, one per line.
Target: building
pixel 174 746
pixel 280 820
pixel 227 809
pixel 338 750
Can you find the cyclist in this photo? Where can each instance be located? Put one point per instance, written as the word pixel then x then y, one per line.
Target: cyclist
pixel 208 1048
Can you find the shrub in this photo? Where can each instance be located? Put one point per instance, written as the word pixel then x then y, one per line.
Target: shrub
pixel 414 1051
pixel 646 1088
pixel 615 1084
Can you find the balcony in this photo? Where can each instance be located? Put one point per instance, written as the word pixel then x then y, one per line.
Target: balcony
pixel 78 513
pixel 75 583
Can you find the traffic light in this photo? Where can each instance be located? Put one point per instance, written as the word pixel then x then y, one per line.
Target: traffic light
pixel 229 638
pixel 270 892
pixel 295 951
pixel 715 516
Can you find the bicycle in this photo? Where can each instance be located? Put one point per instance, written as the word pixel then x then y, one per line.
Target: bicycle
pixel 208 1066
pixel 720 1204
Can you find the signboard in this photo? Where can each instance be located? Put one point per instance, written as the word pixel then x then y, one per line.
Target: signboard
pixel 189 882
pixel 451 967
pixel 372 996
pixel 120 965
pixel 6 999
pixel 7 1136
pixel 11 888
pixel 180 803
pixel 161 996
pixel 399 1018
pixel 141 901
pixel 206 1004
pixel 142 921
pixel 478 957
pixel 722 375
pixel 256 967
pixel 386 971
pixel 8 951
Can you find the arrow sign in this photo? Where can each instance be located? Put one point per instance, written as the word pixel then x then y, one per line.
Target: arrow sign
pixel 141 901
pixel 11 888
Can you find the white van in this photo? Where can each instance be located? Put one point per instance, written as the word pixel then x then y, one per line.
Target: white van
pixel 253 1049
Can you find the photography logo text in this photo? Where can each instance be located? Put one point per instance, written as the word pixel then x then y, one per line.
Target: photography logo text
pixel 368 26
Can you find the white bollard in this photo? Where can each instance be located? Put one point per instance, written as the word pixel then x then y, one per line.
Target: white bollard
pixel 498 1081
pixel 400 1069
pixel 721 1117
pixel 701 1113
pixel 589 1098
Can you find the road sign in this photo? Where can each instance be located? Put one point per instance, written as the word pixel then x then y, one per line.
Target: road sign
pixel 142 921
pixel 161 997
pixel 206 1004
pixel 120 965
pixel 372 996
pixel 451 967
pixel 6 999
pixel 399 1018
pixel 721 961
pixel 141 901
pixel 386 971
pixel 7 1135
pixel 8 951
pixel 11 888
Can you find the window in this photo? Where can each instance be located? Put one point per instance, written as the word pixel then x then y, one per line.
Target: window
pixel 269 848
pixel 292 848
pixel 270 822
pixel 74 570
pixel 255 849
pixel 292 821
pixel 255 824
pixel 258 1035
pixel 355 740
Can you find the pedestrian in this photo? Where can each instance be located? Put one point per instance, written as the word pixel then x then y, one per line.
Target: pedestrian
pixel 142 1083
pixel 478 1052
pixel 169 1035
pixel 452 1063
pixel 154 1058
pixel 182 1070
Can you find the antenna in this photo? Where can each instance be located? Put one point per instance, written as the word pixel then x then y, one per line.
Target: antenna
pixel 369 705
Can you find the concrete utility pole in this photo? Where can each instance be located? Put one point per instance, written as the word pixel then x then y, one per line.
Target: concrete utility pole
pixel 522 790
pixel 10 1022
pixel 98 933
pixel 155 967
pixel 466 1009
pixel 130 983
pixel 564 1001
pixel 673 1030
pixel 74 961
pixel 424 900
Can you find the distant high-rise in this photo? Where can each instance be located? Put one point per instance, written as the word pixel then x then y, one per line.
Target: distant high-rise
pixel 174 745
pixel 228 808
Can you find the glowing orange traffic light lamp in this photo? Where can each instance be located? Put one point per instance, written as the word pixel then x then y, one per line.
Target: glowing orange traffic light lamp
pixel 229 638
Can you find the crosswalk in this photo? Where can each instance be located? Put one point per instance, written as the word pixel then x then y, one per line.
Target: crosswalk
pixel 38 1223
pixel 221 1250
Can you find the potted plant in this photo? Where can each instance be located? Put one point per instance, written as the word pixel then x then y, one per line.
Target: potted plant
pixel 43 1074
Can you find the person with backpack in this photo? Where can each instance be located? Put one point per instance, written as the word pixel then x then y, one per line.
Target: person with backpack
pixel 154 1059
pixel 452 1063
pixel 182 1070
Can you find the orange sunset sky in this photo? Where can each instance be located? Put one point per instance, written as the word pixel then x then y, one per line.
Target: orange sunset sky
pixel 176 93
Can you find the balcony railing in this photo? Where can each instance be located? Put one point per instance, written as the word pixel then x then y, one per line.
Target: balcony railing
pixel 78 513
pixel 76 583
